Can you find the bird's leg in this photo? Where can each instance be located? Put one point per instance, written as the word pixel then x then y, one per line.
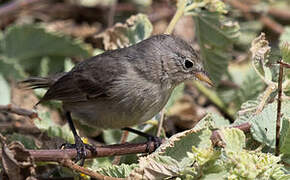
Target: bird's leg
pixel 79 145
pixel 150 138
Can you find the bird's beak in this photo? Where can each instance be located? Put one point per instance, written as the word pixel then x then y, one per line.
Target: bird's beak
pixel 203 77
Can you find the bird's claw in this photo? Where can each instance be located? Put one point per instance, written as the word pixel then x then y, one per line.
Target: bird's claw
pixel 81 148
pixel 156 140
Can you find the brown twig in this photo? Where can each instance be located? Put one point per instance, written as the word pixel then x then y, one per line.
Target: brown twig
pixel 111 150
pixel 102 151
pixel 17 110
pixel 70 164
pixel 284 64
pixel 279 102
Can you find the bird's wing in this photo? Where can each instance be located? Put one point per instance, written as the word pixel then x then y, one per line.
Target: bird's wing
pixel 88 80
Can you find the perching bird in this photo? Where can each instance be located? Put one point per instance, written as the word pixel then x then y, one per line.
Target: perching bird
pixel 123 87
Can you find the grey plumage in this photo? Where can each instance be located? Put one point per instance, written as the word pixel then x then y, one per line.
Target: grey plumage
pixel 123 87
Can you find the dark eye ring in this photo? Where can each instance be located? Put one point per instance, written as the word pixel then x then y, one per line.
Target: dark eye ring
pixel 188 64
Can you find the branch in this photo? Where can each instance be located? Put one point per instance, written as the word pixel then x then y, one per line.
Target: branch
pixel 101 151
pixel 284 64
pixel 19 111
pixel 279 103
pixel 112 150
pixel 70 164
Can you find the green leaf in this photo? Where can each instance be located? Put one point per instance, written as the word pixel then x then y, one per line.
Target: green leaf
pixel 285 51
pixel 186 139
pixel 5 94
pixel 167 160
pixel 10 69
pixel 234 139
pixel 285 136
pixel 252 165
pixel 202 162
pixel 263 126
pixel 28 44
pixel 250 86
pixel 30 41
pixel 174 159
pixel 134 30
pixel 213 121
pixel 120 171
pixel 216 35
pixel 249 30
pixel 155 167
pixel 27 141
pixel 53 130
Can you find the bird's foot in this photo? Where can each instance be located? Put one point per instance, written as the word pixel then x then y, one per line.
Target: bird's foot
pixel 156 140
pixel 81 148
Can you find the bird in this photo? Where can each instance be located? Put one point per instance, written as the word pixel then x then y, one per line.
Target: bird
pixel 123 87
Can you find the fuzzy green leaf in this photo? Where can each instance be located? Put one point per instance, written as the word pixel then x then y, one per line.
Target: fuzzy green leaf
pixel 167 160
pixel 28 44
pixel 186 139
pixel 216 35
pixel 264 124
pixel 27 141
pixel 234 139
pixel 285 136
pixel 249 30
pixel 30 41
pixel 285 51
pixel 120 171
pixel 155 167
pixel 53 130
pixel 252 165
pixel 10 69
pixel 250 86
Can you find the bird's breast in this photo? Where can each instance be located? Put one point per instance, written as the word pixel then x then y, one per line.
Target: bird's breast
pixel 128 107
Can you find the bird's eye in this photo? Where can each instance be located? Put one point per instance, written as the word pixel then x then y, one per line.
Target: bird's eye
pixel 188 64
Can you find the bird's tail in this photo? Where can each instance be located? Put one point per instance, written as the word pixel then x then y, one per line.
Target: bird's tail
pixel 35 83
pixel 40 82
